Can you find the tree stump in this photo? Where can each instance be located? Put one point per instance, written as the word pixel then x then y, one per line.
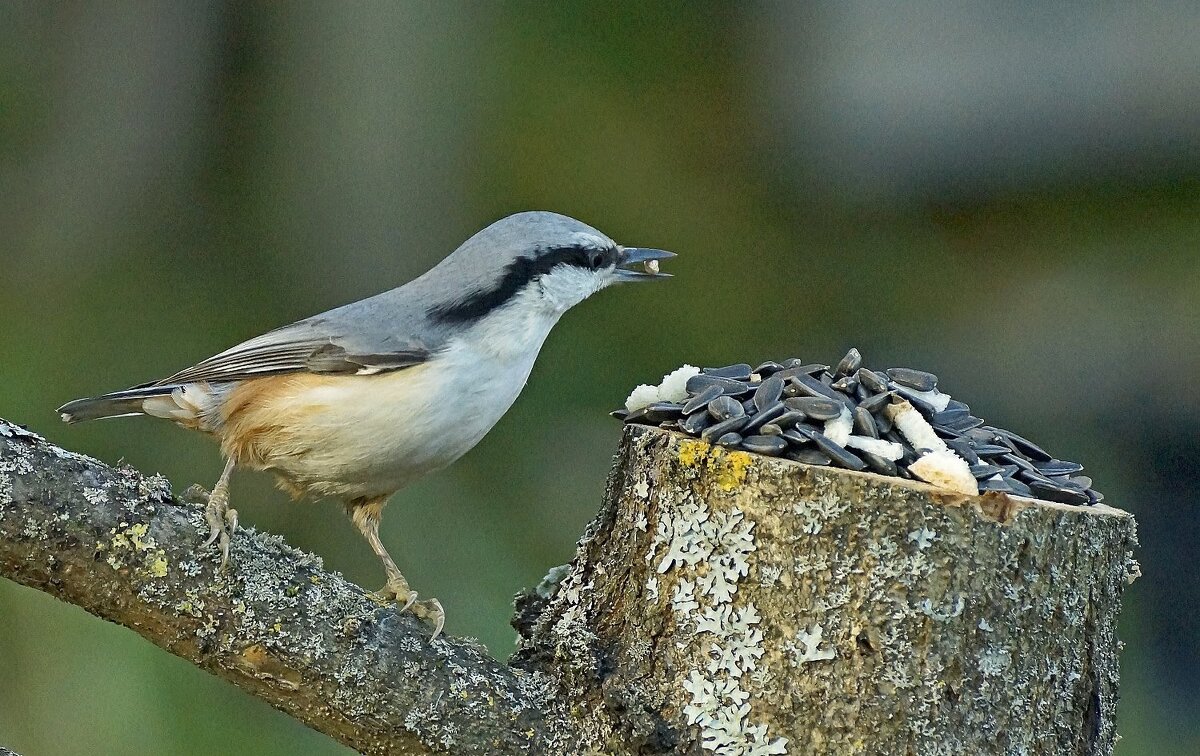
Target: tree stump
pixel 741 604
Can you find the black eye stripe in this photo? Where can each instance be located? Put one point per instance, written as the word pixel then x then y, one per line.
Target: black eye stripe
pixel 519 273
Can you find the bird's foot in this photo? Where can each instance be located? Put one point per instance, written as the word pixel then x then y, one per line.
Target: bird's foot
pixel 222 519
pixel 428 610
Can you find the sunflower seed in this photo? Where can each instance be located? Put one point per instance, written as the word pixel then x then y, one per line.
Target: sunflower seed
pixel 864 423
pixel 789 419
pixel 995 483
pixel 739 372
pixel 980 435
pixel 921 402
pixel 915 379
pixel 694 423
pixel 877 402
pixel 772 446
pixel 702 399
pixel 1054 492
pixel 770 429
pixel 990 450
pixel 799 367
pixel 1059 467
pixel 1024 445
pixel 730 439
pixel 965 424
pixel 879 464
pixel 768 368
pixel 981 471
pixel 807 385
pixel 1017 487
pixel 962 447
pixel 1020 462
pixel 698 383
pixel 872 380
pixel 768 392
pixel 725 407
pixel 845 385
pixel 638 417
pixel 815 407
pixel 949 416
pixel 836 452
pixel 765 416
pixel 661 412
pixel 620 414
pixel 851 362
pixel 809 457
pixel 716 430
pixel 795 437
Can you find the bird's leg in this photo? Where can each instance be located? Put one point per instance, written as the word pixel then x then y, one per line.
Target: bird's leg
pixel 222 520
pixel 366 514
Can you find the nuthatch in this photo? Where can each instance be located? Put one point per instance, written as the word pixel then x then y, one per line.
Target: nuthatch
pixel 360 401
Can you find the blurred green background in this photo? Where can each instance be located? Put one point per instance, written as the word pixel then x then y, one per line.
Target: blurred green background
pixel 1004 194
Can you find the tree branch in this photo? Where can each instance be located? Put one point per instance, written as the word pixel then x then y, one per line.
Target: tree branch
pixel 277 624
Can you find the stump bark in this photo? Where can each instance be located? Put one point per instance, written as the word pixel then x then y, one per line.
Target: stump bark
pixel 744 604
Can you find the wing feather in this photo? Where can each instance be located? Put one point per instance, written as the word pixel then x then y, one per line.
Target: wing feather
pixel 280 352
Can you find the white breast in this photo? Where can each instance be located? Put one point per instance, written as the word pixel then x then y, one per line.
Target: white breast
pixel 372 435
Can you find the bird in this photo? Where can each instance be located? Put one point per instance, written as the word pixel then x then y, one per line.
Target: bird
pixel 358 402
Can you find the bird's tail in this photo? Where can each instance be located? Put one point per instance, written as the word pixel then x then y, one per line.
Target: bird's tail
pixel 117 404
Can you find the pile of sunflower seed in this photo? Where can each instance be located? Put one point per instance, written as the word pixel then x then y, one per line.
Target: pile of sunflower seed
pixel 860 419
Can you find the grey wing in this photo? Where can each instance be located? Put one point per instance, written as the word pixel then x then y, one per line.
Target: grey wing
pixel 315 345
pixel 366 337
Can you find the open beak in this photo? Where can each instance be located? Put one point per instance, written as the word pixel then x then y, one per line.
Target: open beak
pixel 641 263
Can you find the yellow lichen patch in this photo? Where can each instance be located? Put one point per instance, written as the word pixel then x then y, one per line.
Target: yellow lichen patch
pixel 137 536
pixel 728 467
pixel 158 566
pixel 133 539
pixel 693 452
pixel 732 473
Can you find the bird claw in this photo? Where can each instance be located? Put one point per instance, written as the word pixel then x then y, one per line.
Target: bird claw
pixel 427 610
pixel 221 518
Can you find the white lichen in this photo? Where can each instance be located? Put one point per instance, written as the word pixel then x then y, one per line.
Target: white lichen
pixel 922 537
pixel 994 661
pixel 807 646
pixel 942 614
pixel 815 512
pixel 711 552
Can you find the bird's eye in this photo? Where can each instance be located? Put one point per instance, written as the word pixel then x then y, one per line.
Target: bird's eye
pixel 597 260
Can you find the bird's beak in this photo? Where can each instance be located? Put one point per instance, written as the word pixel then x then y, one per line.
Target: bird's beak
pixel 647 259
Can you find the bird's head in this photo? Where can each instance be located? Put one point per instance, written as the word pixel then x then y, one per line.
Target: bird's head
pixel 540 259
